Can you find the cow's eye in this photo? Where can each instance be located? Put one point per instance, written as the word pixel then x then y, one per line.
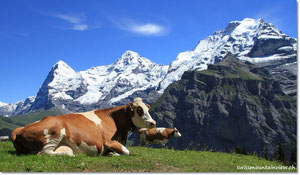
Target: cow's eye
pixel 140 111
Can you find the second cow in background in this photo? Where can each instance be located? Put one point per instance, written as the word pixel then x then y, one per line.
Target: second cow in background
pixel 157 135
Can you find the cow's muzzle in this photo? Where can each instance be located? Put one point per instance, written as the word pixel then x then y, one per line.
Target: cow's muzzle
pixel 152 124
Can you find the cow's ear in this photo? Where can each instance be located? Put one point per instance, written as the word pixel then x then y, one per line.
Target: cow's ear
pixel 148 106
pixel 131 106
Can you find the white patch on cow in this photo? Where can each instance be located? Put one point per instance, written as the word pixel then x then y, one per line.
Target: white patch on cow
pixel 46 134
pixel 90 150
pixel 64 150
pixel 62 132
pixel 160 130
pixel 92 116
pixel 125 150
pixel 52 143
pixel 177 134
pixel 113 154
pixel 102 150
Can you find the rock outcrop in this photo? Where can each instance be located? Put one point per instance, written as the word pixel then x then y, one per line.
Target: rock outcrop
pixel 231 104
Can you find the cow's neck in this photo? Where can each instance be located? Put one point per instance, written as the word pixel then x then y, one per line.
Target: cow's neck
pixel 122 117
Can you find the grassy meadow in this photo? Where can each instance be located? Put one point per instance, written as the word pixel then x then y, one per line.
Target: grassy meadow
pixel 141 160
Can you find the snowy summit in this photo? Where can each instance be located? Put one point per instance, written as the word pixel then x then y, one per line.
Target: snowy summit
pixel 241 38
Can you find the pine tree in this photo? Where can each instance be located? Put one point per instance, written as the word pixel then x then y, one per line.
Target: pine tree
pixel 238 150
pixel 245 152
pixel 280 155
pixel 266 156
pixel 294 157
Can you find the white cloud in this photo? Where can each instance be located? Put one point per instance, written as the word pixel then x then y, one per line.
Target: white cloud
pixel 146 29
pixel 80 27
pixel 74 19
pixel 77 20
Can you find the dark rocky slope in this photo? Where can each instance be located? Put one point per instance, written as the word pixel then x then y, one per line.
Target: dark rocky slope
pixel 231 104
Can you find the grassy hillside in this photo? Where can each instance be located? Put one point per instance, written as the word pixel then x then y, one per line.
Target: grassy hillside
pixel 10 123
pixel 6 126
pixel 7 123
pixel 34 116
pixel 141 160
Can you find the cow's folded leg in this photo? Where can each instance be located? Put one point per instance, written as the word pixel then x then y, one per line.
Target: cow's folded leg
pixel 116 146
pixel 64 150
pixel 113 154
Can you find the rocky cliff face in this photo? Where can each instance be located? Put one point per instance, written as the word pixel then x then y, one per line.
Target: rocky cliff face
pixel 231 104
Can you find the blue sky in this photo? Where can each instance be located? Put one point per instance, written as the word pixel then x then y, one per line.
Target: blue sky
pixel 35 34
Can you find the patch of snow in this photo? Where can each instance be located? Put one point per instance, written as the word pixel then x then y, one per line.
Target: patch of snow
pixel 3 104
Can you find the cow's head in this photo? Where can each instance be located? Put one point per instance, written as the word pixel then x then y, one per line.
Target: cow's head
pixel 176 133
pixel 141 117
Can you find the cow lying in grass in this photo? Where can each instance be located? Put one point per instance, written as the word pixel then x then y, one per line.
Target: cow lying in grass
pixel 157 135
pixel 99 132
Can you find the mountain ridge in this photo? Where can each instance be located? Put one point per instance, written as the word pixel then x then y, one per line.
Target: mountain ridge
pixel 241 38
pixel 132 75
pixel 97 87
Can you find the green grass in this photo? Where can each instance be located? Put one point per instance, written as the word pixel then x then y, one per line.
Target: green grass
pixel 7 123
pixel 141 160
pixel 236 72
pixel 208 72
pixel 34 116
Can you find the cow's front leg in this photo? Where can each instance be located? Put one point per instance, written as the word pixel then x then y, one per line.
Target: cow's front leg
pixel 116 146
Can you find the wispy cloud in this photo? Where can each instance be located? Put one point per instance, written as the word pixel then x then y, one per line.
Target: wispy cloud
pixel 74 18
pixel 77 20
pixel 80 27
pixel 140 28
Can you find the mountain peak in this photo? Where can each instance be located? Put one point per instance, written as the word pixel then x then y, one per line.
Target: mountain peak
pixel 3 104
pixel 245 26
pixel 130 57
pixel 129 53
pixel 61 64
pixel 62 67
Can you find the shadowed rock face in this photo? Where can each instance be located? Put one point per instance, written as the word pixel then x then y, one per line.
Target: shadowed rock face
pixel 231 104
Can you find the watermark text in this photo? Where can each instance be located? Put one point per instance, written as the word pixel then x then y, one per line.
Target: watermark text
pixel 267 167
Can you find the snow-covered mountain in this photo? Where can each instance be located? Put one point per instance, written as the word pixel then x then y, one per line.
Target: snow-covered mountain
pixel 3 104
pixel 8 109
pixel 96 87
pixel 249 39
pixel 132 75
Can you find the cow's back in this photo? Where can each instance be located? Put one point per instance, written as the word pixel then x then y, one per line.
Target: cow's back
pixel 31 138
pixel 81 132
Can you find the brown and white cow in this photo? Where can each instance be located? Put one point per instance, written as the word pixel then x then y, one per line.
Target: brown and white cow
pixel 157 135
pixel 98 132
